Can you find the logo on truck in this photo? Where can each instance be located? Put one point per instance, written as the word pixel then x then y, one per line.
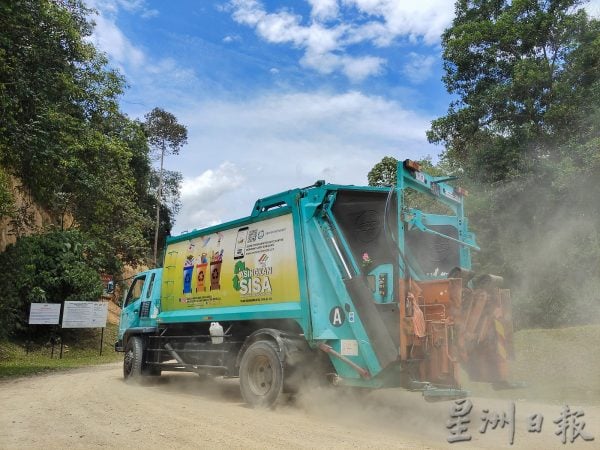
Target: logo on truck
pixel 256 281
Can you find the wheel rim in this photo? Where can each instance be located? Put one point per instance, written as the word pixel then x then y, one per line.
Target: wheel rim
pixel 128 363
pixel 261 375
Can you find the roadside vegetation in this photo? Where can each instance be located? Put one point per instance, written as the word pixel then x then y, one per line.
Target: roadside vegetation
pixel 81 161
pixel 25 357
pixel 523 136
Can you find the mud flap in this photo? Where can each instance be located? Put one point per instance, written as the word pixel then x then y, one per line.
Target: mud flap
pixel 487 336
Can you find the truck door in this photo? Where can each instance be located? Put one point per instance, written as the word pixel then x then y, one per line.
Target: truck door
pixel 130 314
pixel 149 302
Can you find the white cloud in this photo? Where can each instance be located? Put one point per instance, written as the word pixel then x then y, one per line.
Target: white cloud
pixel 358 69
pixel 231 38
pixel 170 66
pixel 424 19
pixel 130 59
pixel 325 40
pixel 276 142
pixel 593 8
pixel 132 6
pixel 204 197
pixel 242 150
pixel 324 9
pixel 319 41
pixel 108 37
pixel 419 67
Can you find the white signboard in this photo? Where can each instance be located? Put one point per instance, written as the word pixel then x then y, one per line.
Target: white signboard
pixel 85 315
pixel 44 314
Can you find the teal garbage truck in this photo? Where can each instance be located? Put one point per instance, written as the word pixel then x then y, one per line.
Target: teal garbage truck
pixel 360 286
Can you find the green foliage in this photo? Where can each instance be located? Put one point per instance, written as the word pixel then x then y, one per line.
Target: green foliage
pixel 384 173
pixel 54 88
pixel 525 129
pixel 62 134
pixel 520 70
pixel 164 132
pixel 106 194
pixel 50 268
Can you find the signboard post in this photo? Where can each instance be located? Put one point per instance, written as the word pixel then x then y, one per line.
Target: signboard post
pixel 85 315
pixel 44 314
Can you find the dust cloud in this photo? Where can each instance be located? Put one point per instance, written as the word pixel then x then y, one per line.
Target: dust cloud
pixel 389 411
pixel 545 241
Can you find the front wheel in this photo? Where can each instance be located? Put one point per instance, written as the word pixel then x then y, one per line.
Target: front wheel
pixel 132 361
pixel 261 374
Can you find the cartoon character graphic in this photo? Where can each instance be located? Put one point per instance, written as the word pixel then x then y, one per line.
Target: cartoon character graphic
pixel 215 270
pixel 201 270
pixel 188 269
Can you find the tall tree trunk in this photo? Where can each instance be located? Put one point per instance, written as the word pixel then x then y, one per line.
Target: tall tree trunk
pixel 158 201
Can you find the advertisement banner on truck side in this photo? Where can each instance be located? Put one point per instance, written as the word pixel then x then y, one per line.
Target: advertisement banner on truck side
pixel 250 264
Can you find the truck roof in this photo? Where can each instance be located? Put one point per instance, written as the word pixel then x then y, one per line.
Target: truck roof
pixel 273 206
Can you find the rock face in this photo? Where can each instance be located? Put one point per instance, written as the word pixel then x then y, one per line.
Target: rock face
pixel 29 218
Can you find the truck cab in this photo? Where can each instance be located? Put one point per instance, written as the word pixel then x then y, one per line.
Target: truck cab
pixel 141 305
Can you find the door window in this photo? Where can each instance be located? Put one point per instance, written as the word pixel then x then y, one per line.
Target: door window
pixel 135 291
pixel 150 285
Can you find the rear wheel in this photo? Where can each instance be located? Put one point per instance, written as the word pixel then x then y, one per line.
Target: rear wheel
pixel 132 361
pixel 261 374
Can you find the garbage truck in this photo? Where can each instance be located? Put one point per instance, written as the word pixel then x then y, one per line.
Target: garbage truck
pixel 358 286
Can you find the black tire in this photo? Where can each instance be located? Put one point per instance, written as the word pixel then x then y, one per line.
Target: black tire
pixel 132 361
pixel 261 375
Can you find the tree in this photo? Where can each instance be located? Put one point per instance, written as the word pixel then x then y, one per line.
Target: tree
pixel 166 136
pixel 54 267
pixel 54 87
pixel 61 131
pixel 384 173
pixel 524 128
pixel 169 204
pixel 513 66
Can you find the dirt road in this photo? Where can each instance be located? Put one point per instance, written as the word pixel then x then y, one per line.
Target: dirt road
pixel 94 407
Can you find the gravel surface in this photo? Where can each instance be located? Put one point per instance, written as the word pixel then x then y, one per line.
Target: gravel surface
pixel 95 408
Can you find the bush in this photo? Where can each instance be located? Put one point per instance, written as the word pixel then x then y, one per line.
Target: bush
pixel 50 268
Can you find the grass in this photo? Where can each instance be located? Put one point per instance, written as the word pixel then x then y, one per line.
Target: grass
pixel 79 351
pixel 557 365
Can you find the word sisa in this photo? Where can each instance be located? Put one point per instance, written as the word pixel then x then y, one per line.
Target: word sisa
pixel 569 425
pixel 256 281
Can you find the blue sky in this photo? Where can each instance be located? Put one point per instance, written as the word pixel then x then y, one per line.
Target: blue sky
pixel 279 94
